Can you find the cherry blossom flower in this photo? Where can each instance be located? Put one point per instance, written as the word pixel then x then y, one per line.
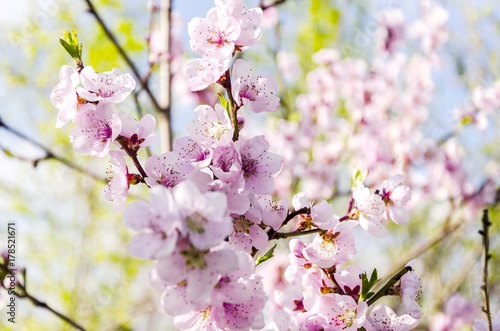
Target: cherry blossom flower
pixel 111 86
pixel 383 318
pixel 458 313
pixel 255 92
pixel 331 248
pixel 409 292
pixel 159 222
pixel 321 214
pixel 211 127
pixel 395 196
pixel 96 126
pixel 258 165
pixel 194 155
pixel 248 19
pixel 199 271
pixel 214 36
pixel 342 312
pixel 227 166
pixel 118 185
pixel 204 214
pixel 164 170
pixel 200 73
pixel 140 133
pixel 247 232
pixel 273 212
pixel 64 96
pixel 370 207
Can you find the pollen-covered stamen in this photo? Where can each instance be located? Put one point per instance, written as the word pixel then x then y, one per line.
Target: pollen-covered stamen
pixel 242 224
pixel 104 131
pixel 196 222
pixel 249 167
pixel 346 319
pixel 249 92
pixel 195 259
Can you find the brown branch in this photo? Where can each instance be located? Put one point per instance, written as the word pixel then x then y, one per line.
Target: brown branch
pixel 385 290
pixel 487 257
pixel 123 54
pixel 48 153
pixel 275 3
pixel 164 116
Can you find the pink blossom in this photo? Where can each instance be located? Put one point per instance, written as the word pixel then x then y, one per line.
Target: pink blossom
pixel 250 33
pixel 214 36
pixel 140 133
pixel 396 196
pixel 64 96
pixel 273 212
pixel 410 290
pixel 236 203
pixel 199 271
pixel 200 73
pixel 159 222
pixel 194 155
pixel 255 92
pixel 371 208
pixel 458 313
pixel 383 318
pixel 204 214
pixel 321 214
pixel 227 167
pixel 211 127
pixel 342 312
pixel 96 126
pixel 331 248
pixel 118 185
pixel 259 166
pixel 248 233
pixel 164 170
pixel 111 86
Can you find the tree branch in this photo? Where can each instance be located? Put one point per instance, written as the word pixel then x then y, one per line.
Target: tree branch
pixel 48 154
pixel 275 3
pixel 384 290
pixel 487 256
pixel 123 54
pixel 164 116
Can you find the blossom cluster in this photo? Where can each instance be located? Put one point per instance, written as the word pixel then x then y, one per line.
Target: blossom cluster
pixel 211 216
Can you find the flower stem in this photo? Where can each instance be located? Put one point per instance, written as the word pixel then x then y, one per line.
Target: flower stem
pixel 487 256
pixel 385 290
pixel 233 108
pixel 132 155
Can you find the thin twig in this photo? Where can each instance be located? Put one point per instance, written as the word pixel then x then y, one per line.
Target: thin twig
pixel 275 3
pixel 44 305
pixel 123 54
pixel 284 235
pixel 48 153
pixel 487 256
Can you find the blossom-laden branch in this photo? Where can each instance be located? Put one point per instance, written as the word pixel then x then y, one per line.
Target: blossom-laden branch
pixel 123 54
pixel 487 257
pixel 387 287
pixel 48 153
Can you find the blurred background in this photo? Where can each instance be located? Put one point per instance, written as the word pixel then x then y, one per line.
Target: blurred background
pixel 75 249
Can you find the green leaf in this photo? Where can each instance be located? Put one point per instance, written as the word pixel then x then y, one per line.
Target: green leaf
pixel 265 257
pixel 7 152
pixel 223 100
pixel 367 285
pixel 69 41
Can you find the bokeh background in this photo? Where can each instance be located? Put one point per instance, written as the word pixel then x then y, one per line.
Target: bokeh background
pixel 75 249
